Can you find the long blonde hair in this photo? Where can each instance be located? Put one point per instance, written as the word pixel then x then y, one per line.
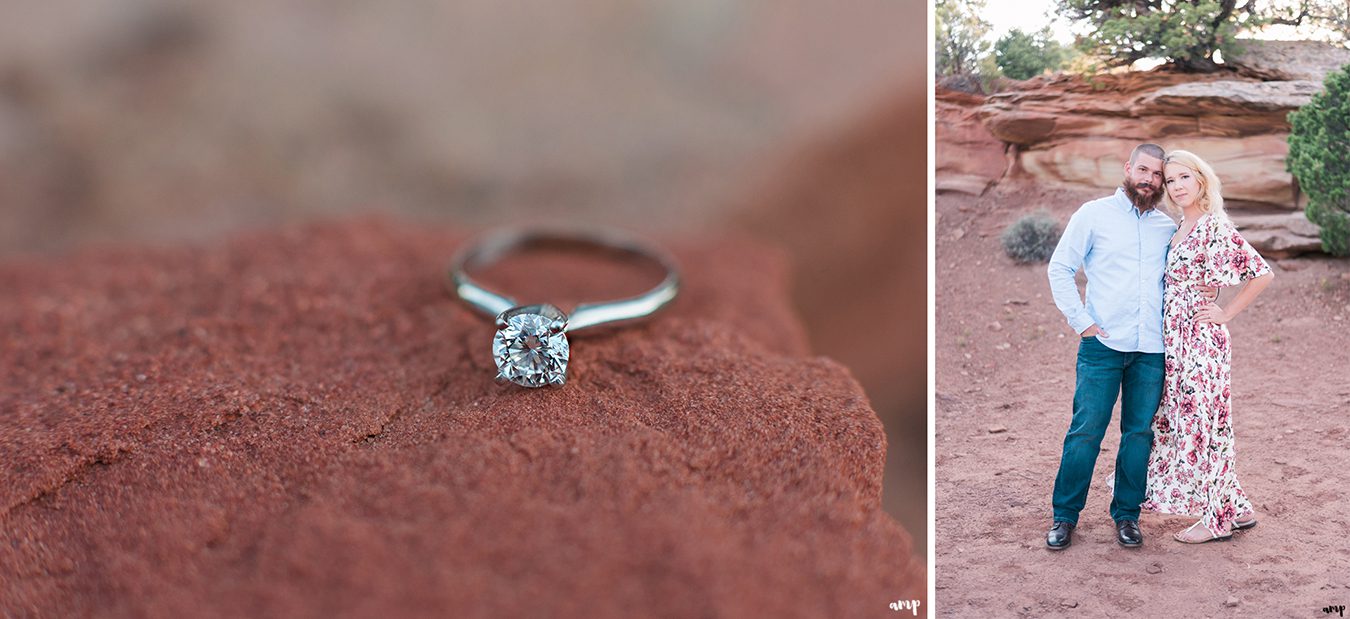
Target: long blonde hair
pixel 1210 199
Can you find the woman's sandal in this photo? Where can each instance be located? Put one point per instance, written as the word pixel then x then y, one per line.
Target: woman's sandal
pixel 1250 522
pixel 1211 538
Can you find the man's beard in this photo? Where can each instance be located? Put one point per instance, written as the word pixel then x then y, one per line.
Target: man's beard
pixel 1139 200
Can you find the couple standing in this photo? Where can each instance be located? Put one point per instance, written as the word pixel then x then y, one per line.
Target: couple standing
pixel 1152 335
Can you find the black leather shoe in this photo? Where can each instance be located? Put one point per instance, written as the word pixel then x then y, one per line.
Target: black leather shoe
pixel 1128 534
pixel 1060 535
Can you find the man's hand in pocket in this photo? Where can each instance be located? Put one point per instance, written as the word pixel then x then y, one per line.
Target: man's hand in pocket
pixel 1095 330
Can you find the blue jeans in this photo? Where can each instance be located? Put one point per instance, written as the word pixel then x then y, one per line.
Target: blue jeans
pixel 1103 375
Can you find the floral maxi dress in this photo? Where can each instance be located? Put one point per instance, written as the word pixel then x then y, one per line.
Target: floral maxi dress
pixel 1191 468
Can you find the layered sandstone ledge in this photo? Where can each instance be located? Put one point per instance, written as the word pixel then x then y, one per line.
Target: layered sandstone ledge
pixel 1074 130
pixel 304 423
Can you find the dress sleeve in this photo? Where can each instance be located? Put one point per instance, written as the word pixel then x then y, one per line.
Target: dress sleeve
pixel 1232 260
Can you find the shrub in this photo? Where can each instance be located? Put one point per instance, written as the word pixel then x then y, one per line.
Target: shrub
pixel 1319 157
pixel 1031 238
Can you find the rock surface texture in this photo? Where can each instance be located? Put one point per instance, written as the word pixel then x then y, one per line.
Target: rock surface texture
pixel 1071 130
pixel 305 423
pixel 849 209
pixel 969 157
pixel 1290 60
pixel 1076 131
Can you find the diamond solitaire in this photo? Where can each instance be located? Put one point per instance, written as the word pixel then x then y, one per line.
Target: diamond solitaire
pixel 530 347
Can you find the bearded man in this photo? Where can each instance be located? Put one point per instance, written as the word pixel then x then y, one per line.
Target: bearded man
pixel 1121 243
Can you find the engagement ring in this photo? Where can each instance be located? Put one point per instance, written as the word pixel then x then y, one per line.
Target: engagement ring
pixel 530 345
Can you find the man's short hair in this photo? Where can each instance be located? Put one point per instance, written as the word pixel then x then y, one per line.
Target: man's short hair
pixel 1152 150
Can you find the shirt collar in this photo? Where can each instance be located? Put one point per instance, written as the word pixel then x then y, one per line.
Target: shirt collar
pixel 1122 201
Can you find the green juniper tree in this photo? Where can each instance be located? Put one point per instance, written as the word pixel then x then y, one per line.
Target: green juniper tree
pixel 1021 55
pixel 1319 157
pixel 1185 32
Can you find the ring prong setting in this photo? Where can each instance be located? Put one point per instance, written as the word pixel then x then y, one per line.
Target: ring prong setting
pixel 530 346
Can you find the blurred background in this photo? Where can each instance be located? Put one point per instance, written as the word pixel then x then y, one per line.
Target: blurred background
pixel 802 124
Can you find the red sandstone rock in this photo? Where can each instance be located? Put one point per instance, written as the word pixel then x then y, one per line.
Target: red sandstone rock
pixel 1280 235
pixel 1288 60
pixel 849 207
pixel 1062 131
pixel 969 157
pixel 1077 130
pixel 305 423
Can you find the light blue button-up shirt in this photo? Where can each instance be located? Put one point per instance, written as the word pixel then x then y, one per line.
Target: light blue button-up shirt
pixel 1123 253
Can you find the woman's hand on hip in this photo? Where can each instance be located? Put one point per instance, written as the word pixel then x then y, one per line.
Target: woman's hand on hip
pixel 1211 313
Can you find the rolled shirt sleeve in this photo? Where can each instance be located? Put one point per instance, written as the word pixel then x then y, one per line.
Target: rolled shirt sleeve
pixel 1064 264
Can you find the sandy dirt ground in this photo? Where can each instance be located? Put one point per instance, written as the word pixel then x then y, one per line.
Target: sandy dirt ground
pixel 1004 382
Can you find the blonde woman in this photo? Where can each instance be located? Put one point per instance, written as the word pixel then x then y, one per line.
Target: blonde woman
pixel 1191 467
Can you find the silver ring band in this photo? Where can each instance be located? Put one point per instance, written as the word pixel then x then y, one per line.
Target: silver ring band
pixel 530 347
pixel 495 246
